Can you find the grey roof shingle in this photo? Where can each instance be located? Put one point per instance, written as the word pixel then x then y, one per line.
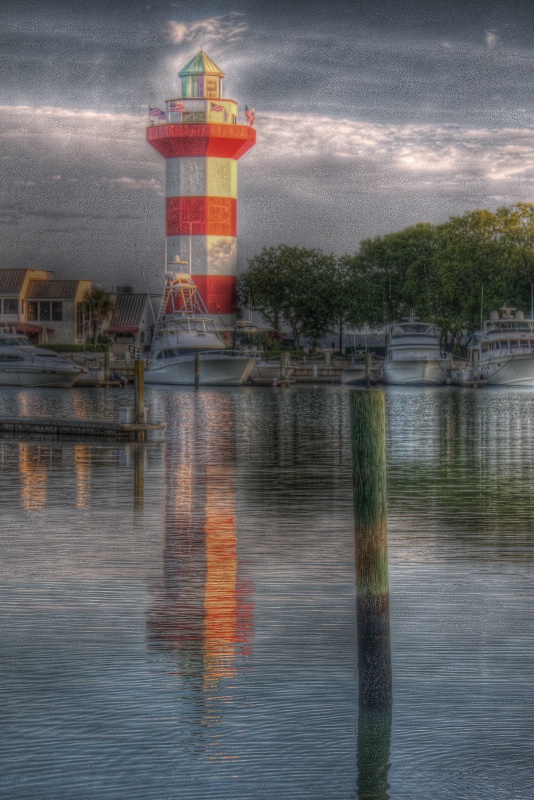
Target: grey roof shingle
pixel 128 310
pixel 52 290
pixel 11 280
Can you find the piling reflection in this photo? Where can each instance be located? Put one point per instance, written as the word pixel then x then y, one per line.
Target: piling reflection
pixel 201 615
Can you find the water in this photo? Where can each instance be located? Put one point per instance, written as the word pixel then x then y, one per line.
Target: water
pixel 177 619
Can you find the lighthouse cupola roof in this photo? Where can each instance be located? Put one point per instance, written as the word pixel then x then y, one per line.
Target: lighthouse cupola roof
pixel 201 64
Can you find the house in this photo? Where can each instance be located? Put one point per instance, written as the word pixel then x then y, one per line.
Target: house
pixel 132 323
pixel 57 307
pixel 46 310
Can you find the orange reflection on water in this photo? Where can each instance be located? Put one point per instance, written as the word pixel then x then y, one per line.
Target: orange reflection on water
pixel 82 471
pixel 34 460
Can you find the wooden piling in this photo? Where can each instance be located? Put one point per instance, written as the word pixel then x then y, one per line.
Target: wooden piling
pixel 367 369
pixel 139 393
pixel 139 478
pixel 107 361
pixel 282 366
pixel 197 370
pixel 368 435
pixel 374 745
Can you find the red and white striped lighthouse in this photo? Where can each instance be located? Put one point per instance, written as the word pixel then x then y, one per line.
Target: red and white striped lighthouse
pixel 199 136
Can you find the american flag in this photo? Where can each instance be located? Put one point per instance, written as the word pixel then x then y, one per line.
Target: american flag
pixel 157 113
pixel 250 116
pixel 216 107
pixel 176 105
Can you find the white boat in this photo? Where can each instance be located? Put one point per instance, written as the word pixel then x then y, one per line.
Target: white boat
pixel 23 364
pixel 414 354
pixel 503 352
pixel 184 331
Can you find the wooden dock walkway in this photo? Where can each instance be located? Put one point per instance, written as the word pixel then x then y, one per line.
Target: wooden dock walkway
pixel 48 426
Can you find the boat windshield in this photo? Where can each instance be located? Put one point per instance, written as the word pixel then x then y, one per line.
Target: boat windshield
pixel 14 341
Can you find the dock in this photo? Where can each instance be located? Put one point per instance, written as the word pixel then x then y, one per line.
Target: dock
pixel 48 426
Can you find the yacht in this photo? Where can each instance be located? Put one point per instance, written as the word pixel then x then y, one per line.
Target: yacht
pixel 183 331
pixel 502 353
pixel 23 364
pixel 414 354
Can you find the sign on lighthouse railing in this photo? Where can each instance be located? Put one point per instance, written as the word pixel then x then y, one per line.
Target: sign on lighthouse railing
pixel 201 140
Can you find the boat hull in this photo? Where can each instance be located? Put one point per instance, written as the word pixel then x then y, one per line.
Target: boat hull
pixel 509 371
pixel 415 371
pixel 35 376
pixel 215 370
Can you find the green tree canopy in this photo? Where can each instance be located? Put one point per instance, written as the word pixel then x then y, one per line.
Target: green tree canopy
pixel 295 286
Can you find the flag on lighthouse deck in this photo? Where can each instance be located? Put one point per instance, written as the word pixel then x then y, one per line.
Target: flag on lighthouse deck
pixel 176 105
pixel 156 113
pixel 250 116
pixel 216 107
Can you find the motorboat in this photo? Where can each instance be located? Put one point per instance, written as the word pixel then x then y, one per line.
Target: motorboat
pixel 502 353
pixel 414 354
pixel 23 364
pixel 186 340
pixel 466 376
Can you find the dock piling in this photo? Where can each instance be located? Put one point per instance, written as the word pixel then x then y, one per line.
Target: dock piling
pixel 197 370
pixel 368 439
pixel 368 435
pixel 139 392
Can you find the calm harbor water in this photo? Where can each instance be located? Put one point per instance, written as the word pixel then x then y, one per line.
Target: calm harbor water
pixel 178 619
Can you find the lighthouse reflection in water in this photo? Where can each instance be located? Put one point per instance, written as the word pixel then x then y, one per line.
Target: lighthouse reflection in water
pixel 201 616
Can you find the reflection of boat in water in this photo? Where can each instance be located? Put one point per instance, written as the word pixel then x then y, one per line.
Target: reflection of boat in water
pixel 414 355
pixel 184 331
pixel 355 374
pixel 23 364
pixel 503 352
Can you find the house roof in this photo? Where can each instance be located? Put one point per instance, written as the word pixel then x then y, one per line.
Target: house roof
pixel 128 313
pixel 11 280
pixel 52 290
pixel 201 64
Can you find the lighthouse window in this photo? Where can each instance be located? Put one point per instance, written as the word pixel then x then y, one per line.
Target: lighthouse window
pixel 212 87
pixel 198 86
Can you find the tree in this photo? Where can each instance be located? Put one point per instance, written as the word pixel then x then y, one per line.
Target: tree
pixel 293 285
pixel 97 305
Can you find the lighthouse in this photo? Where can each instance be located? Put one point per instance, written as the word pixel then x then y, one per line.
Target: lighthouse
pixel 199 136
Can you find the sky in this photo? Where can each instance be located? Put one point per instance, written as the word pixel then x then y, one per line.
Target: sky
pixel 371 116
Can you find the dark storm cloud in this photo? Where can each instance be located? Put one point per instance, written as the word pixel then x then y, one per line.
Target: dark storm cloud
pixel 370 117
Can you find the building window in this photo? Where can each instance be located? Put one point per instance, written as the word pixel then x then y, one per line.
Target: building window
pixel 198 86
pixel 31 310
pixel 193 116
pixel 44 311
pixel 57 311
pixel 11 306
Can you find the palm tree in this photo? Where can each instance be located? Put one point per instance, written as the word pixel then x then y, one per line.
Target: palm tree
pixel 97 305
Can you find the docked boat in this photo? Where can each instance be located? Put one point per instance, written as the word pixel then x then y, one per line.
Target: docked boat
pixel 185 331
pixel 466 376
pixel 23 364
pixel 503 351
pixel 414 354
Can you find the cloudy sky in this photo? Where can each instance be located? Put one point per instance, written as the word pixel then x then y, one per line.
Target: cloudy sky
pixel 371 116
